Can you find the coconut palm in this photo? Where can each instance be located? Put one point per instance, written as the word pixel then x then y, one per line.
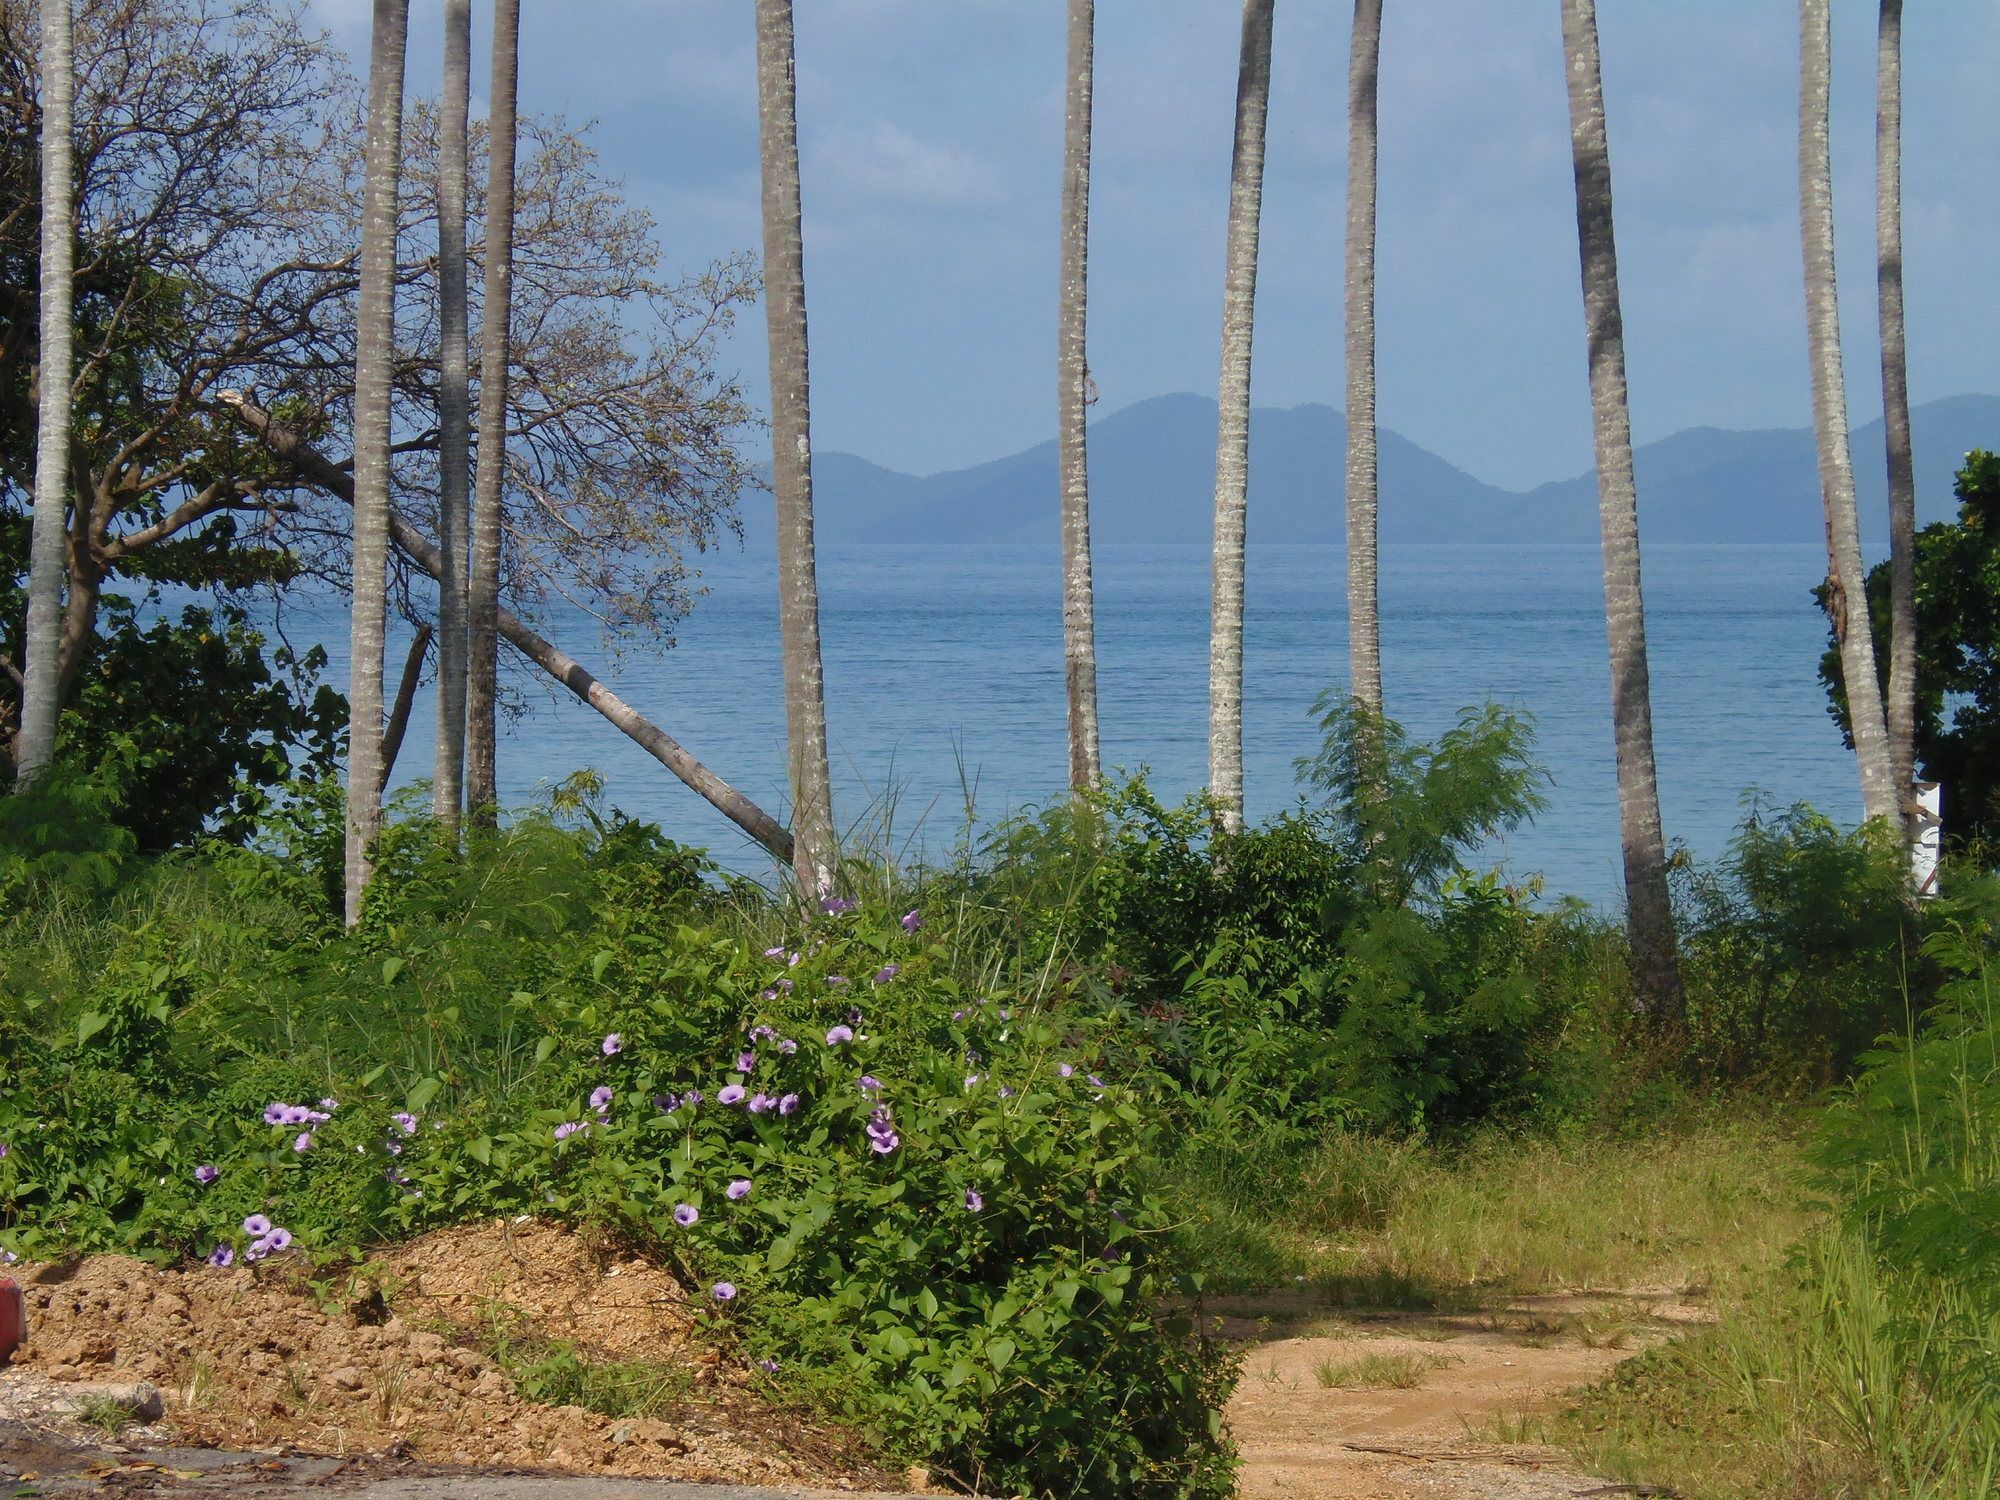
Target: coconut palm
pixel 791 450
pixel 496 310
pixel 454 396
pixel 1649 917
pixel 1900 711
pixel 1072 380
pixel 41 675
pixel 1846 604
pixel 1232 445
pixel 374 351
pixel 1364 614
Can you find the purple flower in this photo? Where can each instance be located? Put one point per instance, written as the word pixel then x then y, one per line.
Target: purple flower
pixel 745 1061
pixel 297 1114
pixel 785 984
pixel 1006 1014
pixel 569 1128
pixel 277 1239
pixel 882 1137
pixel 886 973
pixel 304 1142
pixel 1096 1082
pixel 761 1103
pixel 882 1145
pixel 730 1093
pixel 971 1082
pixel 738 1190
pixel 277 1114
pixel 854 1015
pixel 600 1098
pixel 393 1146
pixel 1005 1092
pixel 838 1035
pixel 870 1084
pixel 767 994
pixel 1065 1069
pixel 221 1257
pixel 768 1366
pixel 973 1202
pixel 686 1214
pixel 329 1105
pixel 958 1015
pixel 835 981
pixel 405 1121
pixel 8 1257
pixel 787 1046
pixel 788 1104
pixel 4 1149
pixel 205 1174
pixel 911 921
pixel 613 1045
pixel 666 1104
pixel 777 952
pixel 722 1291
pixel 691 1098
pixel 833 906
pixel 763 1033
pixel 257 1224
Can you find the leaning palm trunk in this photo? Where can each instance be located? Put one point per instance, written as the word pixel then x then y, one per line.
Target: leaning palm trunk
pixel 791 450
pixel 374 350
pixel 454 441
pixel 496 310
pixel 1232 444
pixel 41 675
pixel 1649 917
pixel 1364 613
pixel 1900 711
pixel 1846 603
pixel 1072 379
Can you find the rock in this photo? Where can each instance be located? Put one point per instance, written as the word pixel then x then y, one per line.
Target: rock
pixel 346 1378
pixel 140 1397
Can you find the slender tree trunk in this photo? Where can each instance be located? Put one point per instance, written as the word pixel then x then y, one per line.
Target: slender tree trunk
pixel 1649 915
pixel 496 312
pixel 1364 612
pixel 791 450
pixel 563 668
pixel 406 699
pixel 454 397
pixel 1846 603
pixel 374 352
pixel 1232 445
pixel 41 675
pixel 1072 380
pixel 1900 711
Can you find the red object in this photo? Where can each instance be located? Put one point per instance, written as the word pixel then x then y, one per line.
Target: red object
pixel 13 1318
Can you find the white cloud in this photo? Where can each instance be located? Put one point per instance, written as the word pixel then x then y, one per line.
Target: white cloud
pixel 880 162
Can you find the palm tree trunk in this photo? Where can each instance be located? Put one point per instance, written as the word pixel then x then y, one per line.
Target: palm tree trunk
pixel 1232 444
pixel 374 352
pixel 1364 612
pixel 454 396
pixel 791 450
pixel 496 311
pixel 1900 711
pixel 41 674
pixel 1072 380
pixel 406 699
pixel 1649 917
pixel 1846 603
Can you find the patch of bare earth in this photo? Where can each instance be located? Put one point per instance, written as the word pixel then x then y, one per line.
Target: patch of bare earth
pixel 1316 1417
pixel 387 1361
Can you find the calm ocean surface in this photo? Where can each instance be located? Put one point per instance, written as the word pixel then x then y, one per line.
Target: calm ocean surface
pixel 941 657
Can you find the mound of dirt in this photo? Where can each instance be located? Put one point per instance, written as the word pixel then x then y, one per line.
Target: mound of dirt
pixel 384 1361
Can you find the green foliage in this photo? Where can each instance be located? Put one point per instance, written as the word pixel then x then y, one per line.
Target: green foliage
pixel 1958 654
pixel 1798 949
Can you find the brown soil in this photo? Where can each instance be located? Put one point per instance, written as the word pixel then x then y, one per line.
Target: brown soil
pixel 1477 1375
pixel 383 1361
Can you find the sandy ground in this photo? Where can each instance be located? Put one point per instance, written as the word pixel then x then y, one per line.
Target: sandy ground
pixel 1476 1375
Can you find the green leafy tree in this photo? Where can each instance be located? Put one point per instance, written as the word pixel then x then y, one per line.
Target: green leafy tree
pixel 1958 654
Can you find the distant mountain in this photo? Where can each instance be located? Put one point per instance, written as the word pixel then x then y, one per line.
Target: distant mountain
pixel 1152 470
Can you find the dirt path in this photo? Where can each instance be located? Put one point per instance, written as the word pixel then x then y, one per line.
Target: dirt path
pixel 1386 1406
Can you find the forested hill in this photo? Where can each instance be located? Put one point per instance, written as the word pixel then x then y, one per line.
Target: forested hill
pixel 1152 471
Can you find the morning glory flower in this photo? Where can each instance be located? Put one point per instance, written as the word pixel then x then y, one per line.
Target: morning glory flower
pixel 971 1082
pixel 886 973
pixel 768 1366
pixel 205 1174
pixel 738 1190
pixel 911 921
pixel 1065 1069
pixel 722 1291
pixel 838 1035
pixel 833 906
pixel 787 1046
pixel 221 1257
pixel 835 981
pixel 745 1061
pixel 277 1114
pixel 691 1098
pixel 686 1214
pixel 600 1098
pixel 767 994
pixel 761 1103
pixel 304 1141
pixel 777 952
pixel 788 1104
pixel 973 1202
pixel 666 1104
pixel 329 1105
pixel 882 1145
pixel 870 1084
pixel 763 1033
pixel 730 1093
pixel 257 1224
pixel 569 1128
pixel 405 1121
pixel 613 1045
pixel 277 1239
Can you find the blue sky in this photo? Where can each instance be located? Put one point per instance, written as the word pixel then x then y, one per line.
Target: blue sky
pixel 931 138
